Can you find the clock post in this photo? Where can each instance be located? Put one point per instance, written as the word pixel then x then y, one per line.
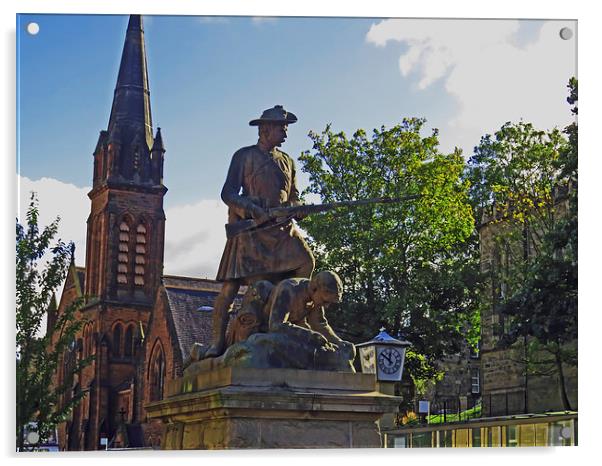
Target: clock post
pixel 384 356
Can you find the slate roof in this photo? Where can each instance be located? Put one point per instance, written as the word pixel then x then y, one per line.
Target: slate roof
pixel 190 305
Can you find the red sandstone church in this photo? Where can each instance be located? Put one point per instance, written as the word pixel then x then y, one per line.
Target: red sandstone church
pixel 140 324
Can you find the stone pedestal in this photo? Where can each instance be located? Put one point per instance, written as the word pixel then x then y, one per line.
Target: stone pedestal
pixel 387 421
pixel 234 408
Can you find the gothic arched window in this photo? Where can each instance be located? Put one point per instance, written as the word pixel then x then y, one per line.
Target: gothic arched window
pixel 123 255
pixel 117 340
pixel 128 346
pixel 86 338
pixel 157 374
pixel 87 343
pixel 140 259
pixel 90 339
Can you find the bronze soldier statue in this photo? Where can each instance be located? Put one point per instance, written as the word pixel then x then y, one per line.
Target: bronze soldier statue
pixel 260 177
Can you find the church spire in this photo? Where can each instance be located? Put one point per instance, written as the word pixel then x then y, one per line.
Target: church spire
pixel 126 226
pixel 131 111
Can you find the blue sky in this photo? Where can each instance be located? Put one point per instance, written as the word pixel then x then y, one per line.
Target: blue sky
pixel 210 75
pixel 208 78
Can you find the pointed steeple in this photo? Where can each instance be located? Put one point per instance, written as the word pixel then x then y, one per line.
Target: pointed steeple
pixel 157 158
pixel 131 111
pixel 158 144
pixel 72 251
pixel 51 315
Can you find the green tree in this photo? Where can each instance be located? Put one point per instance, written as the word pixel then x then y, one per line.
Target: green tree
pixel 408 266
pixel 525 181
pixel 38 356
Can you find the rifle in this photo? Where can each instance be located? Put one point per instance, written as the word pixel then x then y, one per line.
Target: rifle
pixel 284 214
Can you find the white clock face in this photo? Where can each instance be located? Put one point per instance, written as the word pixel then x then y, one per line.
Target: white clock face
pixel 389 361
pixel 33 438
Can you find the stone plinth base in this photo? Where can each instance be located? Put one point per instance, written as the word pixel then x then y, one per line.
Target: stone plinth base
pixel 234 408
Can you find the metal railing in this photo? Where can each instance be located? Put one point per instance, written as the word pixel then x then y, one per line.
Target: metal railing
pixel 465 408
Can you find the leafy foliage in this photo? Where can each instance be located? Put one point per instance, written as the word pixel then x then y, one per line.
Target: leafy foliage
pixel 38 356
pixel 409 266
pixel 532 178
pixel 515 172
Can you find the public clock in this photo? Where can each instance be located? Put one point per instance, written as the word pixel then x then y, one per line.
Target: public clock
pixel 389 360
pixel 383 356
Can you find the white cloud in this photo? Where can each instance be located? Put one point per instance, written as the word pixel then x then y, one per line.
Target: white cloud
pixel 194 236
pixel 492 77
pixel 56 198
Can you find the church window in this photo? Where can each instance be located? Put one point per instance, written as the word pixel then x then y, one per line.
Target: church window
pixel 140 261
pixel 122 258
pixel 128 348
pixel 86 338
pixel 157 376
pixel 90 340
pixel 117 340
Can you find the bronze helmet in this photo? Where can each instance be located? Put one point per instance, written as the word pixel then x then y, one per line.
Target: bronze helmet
pixel 277 114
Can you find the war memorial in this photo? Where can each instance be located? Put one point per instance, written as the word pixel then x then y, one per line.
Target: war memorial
pixel 278 376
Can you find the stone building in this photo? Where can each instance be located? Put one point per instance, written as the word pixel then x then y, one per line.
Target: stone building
pixel 515 380
pixel 139 324
pixel 460 387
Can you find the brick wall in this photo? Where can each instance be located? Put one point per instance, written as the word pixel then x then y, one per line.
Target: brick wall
pixel 158 338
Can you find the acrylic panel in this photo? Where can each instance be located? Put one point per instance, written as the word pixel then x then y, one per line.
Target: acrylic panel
pixel 439 161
